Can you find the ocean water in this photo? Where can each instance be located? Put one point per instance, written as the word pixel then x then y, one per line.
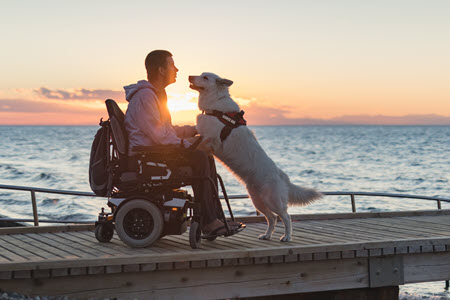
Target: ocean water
pixel 392 159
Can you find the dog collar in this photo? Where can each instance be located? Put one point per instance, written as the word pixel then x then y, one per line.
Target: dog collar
pixel 230 119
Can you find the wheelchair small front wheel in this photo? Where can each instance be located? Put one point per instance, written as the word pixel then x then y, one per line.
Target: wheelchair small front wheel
pixel 104 232
pixel 195 235
pixel 139 223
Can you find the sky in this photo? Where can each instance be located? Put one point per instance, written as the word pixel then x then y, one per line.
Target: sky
pixel 292 62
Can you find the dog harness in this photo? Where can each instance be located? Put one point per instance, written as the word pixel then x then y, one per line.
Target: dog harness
pixel 230 119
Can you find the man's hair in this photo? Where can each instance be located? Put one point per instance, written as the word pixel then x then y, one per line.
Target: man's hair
pixel 154 60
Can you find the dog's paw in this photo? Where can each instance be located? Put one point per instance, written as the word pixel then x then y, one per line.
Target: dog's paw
pixel 285 238
pixel 264 237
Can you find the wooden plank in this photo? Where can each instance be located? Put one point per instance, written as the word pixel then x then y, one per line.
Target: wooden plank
pixel 94 244
pixel 388 251
pixel 425 225
pixel 12 240
pixel 384 230
pixel 59 272
pixel 439 248
pixel 309 231
pixel 426 267
pixel 334 255
pixel 213 263
pixel 339 232
pixel 19 248
pixel 407 226
pixel 248 238
pixel 356 231
pixel 96 270
pixel 78 271
pixel 119 246
pixel 111 269
pixel 351 227
pixel 302 237
pixel 291 258
pixel 371 231
pixel 42 248
pixel 6 275
pixel 348 254
pixel 3 259
pixel 182 265
pixel 58 241
pixel 436 221
pixel 10 255
pixel 227 282
pixel 305 256
pixel 22 274
pixel 276 259
pixel 133 251
pixel 245 261
pixel 40 273
pixel 42 229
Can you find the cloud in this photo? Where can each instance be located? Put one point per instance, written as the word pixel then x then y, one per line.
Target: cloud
pixel 257 114
pixel 31 106
pixel 80 94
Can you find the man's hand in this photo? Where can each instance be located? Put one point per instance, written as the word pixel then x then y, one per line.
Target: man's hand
pixel 185 131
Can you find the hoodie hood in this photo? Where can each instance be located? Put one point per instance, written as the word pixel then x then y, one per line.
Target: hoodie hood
pixel 132 89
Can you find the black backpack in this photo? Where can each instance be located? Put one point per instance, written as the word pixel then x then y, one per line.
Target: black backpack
pixel 100 175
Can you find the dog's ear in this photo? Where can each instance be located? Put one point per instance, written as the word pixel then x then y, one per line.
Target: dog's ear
pixel 223 81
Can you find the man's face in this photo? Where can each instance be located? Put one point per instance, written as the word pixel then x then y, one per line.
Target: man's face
pixel 170 72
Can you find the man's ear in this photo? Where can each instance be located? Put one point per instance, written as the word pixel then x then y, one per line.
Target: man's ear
pixel 223 81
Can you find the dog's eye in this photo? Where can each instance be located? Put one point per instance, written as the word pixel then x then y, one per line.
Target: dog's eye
pixel 204 77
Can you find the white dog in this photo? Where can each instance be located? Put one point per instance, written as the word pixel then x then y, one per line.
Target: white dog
pixel 269 187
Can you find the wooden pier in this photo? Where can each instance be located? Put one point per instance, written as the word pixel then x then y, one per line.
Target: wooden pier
pixel 330 252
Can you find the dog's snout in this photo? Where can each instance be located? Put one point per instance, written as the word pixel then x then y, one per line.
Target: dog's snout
pixel 191 78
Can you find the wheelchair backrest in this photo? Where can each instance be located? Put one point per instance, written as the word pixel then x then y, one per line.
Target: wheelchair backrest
pixel 117 118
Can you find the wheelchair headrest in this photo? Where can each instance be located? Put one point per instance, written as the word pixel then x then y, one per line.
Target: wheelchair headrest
pixel 117 118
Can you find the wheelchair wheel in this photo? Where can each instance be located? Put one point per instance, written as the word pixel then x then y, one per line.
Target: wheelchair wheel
pixel 139 223
pixel 104 232
pixel 195 235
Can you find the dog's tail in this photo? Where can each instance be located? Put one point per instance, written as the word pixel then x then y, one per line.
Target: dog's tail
pixel 302 196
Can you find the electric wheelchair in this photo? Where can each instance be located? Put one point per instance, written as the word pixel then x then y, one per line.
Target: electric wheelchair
pixel 144 191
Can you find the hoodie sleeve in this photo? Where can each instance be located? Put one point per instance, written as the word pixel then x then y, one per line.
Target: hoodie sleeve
pixel 147 119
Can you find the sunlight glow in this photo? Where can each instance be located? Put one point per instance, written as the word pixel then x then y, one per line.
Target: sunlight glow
pixel 182 102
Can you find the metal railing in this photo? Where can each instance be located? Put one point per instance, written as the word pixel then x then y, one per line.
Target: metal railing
pixel 34 190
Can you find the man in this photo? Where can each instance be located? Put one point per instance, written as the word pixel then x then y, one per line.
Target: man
pixel 148 122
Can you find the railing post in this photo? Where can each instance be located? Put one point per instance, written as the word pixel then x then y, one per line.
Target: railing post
pixel 35 214
pixel 353 202
pixel 439 204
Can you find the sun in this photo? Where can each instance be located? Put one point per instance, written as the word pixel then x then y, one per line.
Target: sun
pixel 182 102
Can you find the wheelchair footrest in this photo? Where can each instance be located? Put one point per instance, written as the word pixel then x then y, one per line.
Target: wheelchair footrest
pixel 222 231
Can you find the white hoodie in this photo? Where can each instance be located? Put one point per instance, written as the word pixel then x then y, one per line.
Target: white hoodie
pixel 143 121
